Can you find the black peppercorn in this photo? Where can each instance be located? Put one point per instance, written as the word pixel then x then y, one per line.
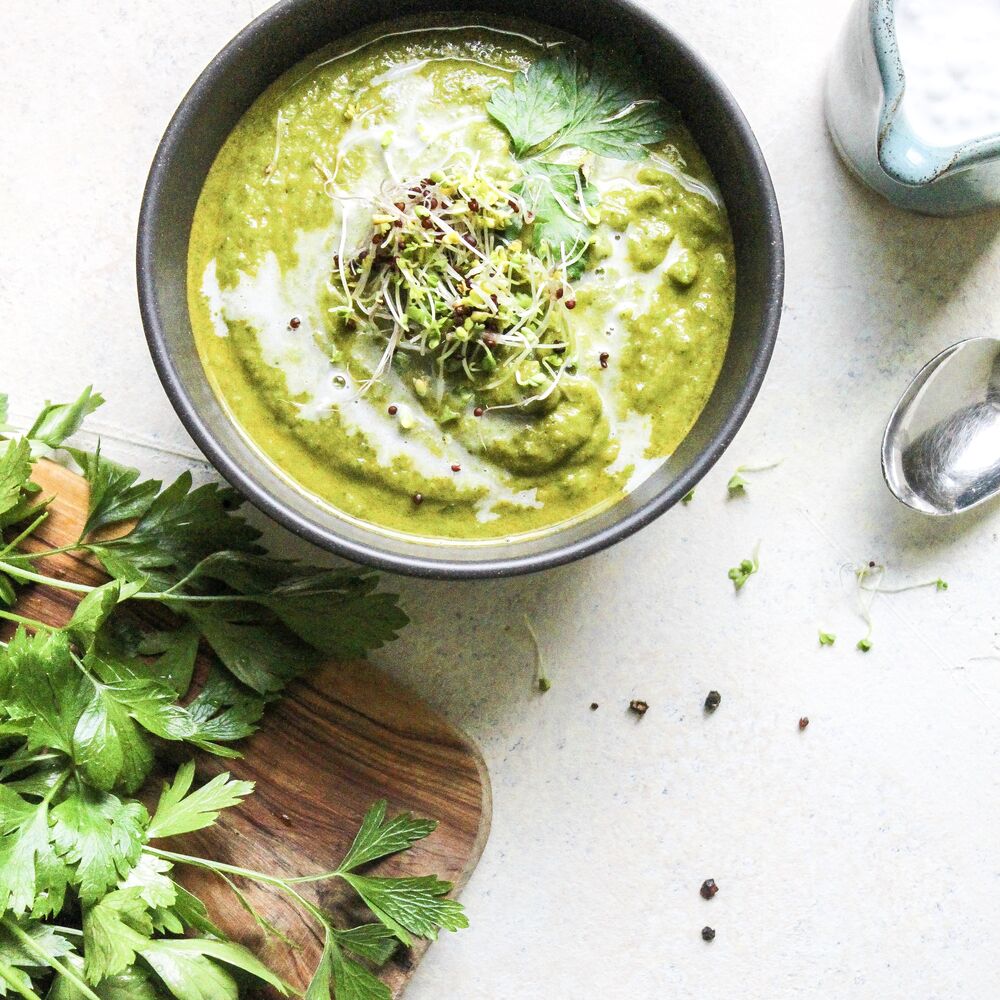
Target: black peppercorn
pixel 712 701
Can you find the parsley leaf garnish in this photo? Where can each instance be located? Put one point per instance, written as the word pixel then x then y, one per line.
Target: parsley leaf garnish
pixel 561 103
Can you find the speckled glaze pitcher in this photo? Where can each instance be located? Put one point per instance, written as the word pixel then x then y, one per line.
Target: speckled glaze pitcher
pixel 864 109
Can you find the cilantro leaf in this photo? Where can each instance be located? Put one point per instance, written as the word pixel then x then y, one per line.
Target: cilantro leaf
pixel 182 811
pixel 410 905
pixel 100 836
pixel 377 838
pixel 115 496
pixel 58 421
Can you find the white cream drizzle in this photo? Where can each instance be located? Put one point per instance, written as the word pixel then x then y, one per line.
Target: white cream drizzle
pixel 266 299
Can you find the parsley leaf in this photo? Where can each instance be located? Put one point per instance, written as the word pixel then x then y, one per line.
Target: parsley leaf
pixel 115 496
pixel 58 421
pixel 100 836
pixel 182 811
pixel 552 192
pixel 737 485
pixel 560 101
pixel 15 473
pixel 378 838
pixel 115 929
pixel 410 905
pixel 190 970
pixel 180 527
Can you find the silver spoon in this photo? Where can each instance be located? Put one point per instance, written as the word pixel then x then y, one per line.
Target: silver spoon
pixel 941 449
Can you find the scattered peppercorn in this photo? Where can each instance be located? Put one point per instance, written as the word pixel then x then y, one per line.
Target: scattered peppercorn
pixel 570 303
pixel 473 205
pixel 478 411
pixel 640 708
pixel 708 888
pixel 418 499
pixel 393 410
pixel 604 358
pixel 456 468
pixel 708 933
pixel 803 722
pixel 594 706
pixel 295 322
pixel 559 293
pixel 712 701
pixel 871 564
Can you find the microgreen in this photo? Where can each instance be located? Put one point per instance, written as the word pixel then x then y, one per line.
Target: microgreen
pixel 826 638
pixel 737 485
pixel 440 284
pixel 89 905
pixel 747 567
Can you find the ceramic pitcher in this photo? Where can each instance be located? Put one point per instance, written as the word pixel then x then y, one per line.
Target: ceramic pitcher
pixel 864 108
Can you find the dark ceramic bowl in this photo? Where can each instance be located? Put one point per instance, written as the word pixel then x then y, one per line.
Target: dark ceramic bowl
pixel 292 30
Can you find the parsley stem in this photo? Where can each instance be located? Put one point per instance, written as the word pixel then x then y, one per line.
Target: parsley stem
pixel 13 980
pixel 30 530
pixel 31 623
pixel 30 577
pixel 41 554
pixel 221 867
pixel 33 948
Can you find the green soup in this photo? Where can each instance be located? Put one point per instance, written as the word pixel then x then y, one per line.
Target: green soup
pixel 484 389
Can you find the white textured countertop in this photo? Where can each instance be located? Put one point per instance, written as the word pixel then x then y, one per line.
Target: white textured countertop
pixel 859 858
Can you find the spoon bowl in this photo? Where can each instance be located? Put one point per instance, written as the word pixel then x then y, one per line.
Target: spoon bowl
pixel 941 449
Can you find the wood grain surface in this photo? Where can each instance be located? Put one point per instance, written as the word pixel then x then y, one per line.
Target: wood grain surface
pixel 339 740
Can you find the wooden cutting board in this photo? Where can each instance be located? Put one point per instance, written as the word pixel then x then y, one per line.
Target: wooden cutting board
pixel 339 740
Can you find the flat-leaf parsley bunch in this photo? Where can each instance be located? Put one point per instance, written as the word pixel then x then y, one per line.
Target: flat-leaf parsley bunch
pixel 89 905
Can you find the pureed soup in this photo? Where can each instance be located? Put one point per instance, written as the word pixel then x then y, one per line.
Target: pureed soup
pixel 462 281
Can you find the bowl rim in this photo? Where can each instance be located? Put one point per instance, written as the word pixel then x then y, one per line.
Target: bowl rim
pixel 491 565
